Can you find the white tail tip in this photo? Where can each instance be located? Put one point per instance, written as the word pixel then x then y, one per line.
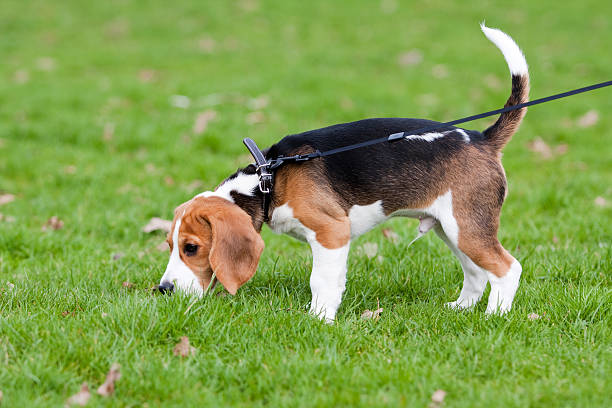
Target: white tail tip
pixel 512 53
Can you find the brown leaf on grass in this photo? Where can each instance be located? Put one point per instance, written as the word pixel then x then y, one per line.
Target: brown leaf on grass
pixel 45 63
pixel 201 122
pixel 6 198
pixel 391 235
pixel 163 246
pixel 117 28
pixel 600 201
pixel 7 218
pixel 109 132
pixel 53 223
pixel 588 119
pixel 368 314
pixel 108 387
pixel 255 117
pixel 410 58
pixel 21 76
pixel 80 398
pixel 561 149
pixel 437 398
pixel 70 169
pixel 127 285
pixel 439 71
pixel 541 147
pixel 183 348
pixel 157 224
pixel 370 249
pixel 533 316
pixel 180 101
pixel 146 75
pixel 196 184
pixel 207 44
pixel 258 103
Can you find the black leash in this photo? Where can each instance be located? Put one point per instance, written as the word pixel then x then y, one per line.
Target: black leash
pixel 265 167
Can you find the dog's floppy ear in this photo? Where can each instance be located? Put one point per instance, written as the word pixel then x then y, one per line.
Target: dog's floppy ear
pixel 236 246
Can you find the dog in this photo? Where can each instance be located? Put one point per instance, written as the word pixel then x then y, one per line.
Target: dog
pixel 451 179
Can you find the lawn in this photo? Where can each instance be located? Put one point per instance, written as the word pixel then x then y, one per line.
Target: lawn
pixel 99 108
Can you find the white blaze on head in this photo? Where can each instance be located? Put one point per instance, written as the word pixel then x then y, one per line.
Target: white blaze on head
pixel 177 272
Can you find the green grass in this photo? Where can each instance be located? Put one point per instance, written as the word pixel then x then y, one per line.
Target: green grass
pixel 68 316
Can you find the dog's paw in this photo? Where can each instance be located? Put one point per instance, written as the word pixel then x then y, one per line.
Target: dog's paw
pixel 460 304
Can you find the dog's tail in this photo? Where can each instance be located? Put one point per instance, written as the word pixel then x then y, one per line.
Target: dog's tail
pixel 500 132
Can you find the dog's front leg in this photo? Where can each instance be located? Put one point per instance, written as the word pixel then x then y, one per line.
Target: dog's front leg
pixel 328 279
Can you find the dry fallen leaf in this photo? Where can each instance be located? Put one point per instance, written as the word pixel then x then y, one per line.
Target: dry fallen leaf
pixel 255 117
pixel 410 58
pixel 201 122
pixel 391 235
pixel 438 397
pixel 80 398
pixel 541 147
pixel 45 63
pixel 21 76
pixel 183 348
pixel 163 246
pixel 207 44
pixel 600 201
pixel 6 198
pixel 258 103
pixel 533 316
pixel 128 285
pixel 180 101
pixel 196 184
pixel 439 71
pixel 108 387
pixel 70 169
pixel 588 119
pixel 157 224
pixel 370 249
pixel 368 314
pixel 146 75
pixel 7 218
pixel 561 149
pixel 53 223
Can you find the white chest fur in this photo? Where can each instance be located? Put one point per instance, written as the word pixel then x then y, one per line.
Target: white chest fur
pixel 283 222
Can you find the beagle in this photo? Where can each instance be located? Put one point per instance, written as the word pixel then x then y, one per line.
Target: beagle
pixel 451 179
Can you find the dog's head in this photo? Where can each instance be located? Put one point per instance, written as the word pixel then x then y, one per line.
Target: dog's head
pixel 211 234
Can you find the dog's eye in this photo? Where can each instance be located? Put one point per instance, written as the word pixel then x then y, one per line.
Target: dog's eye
pixel 190 249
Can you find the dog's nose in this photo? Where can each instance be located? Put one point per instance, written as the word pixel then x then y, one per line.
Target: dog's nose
pixel 166 287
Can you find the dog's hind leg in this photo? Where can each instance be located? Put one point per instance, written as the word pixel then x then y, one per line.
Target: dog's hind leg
pixel 474 277
pixel 477 239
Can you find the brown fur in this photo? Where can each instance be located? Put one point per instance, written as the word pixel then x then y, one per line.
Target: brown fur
pixel 314 203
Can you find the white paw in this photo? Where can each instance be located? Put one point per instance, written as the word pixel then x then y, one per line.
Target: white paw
pixel 461 304
pixel 322 314
pixel 498 310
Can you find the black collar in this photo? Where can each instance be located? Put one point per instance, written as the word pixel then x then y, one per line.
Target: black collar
pixel 262 166
pixel 265 170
